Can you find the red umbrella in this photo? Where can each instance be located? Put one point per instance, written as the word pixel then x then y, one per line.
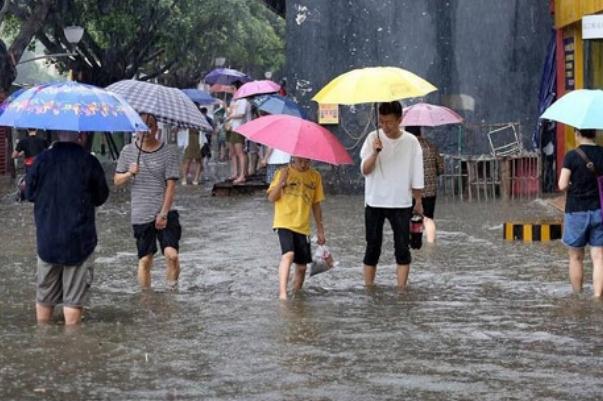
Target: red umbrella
pixel 257 88
pixel 429 115
pixel 296 136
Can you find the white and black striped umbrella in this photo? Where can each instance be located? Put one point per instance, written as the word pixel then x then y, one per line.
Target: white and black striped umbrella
pixel 168 105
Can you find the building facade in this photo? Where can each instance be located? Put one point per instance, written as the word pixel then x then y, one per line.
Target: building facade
pixel 579 59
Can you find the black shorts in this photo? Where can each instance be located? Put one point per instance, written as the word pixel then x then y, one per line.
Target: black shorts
pixel 429 206
pixel 296 243
pixel 147 235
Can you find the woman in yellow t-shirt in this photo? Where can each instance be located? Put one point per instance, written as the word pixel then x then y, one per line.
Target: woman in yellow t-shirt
pixel 296 191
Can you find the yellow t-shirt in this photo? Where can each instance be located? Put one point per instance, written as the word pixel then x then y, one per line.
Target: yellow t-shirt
pixel 292 210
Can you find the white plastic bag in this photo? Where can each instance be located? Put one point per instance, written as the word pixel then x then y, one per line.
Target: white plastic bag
pixel 322 260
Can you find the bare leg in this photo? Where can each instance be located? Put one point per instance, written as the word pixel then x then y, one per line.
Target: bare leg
pixel 72 315
pixel 283 275
pixel 403 271
pixel 369 275
pixel 576 262
pixel 172 263
pixel 430 229
pixel 43 313
pixel 300 275
pixel 596 253
pixel 240 154
pixel 253 161
pixel 198 172
pixel 233 161
pixel 144 271
pixel 185 166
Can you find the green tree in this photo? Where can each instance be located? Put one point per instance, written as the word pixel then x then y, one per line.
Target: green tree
pixel 175 41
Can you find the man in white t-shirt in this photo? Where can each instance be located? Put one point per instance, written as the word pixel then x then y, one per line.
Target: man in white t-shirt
pixel 392 164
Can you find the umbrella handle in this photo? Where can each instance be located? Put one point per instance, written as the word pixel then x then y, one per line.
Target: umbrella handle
pixel 140 150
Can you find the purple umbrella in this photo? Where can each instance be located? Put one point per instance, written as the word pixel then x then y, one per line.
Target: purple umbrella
pixel 225 76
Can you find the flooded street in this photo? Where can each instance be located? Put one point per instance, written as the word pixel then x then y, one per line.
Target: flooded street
pixel 483 318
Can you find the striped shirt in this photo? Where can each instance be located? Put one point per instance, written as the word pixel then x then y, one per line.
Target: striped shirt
pixel 148 187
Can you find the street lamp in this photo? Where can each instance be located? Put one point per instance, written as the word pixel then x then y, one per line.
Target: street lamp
pixel 73 34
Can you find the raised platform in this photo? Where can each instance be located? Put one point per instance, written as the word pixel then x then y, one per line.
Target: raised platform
pixel 227 188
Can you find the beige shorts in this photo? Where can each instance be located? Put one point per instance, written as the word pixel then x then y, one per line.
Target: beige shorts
pixel 60 284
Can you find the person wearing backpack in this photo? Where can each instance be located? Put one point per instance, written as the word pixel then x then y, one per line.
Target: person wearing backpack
pixel 583 223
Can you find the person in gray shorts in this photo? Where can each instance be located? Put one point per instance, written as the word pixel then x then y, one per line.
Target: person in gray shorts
pixel 153 180
pixel 65 183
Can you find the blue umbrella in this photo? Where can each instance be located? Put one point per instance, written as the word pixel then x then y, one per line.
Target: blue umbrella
pixel 225 76
pixel 200 97
pixel 71 106
pixel 10 98
pixel 582 109
pixel 276 104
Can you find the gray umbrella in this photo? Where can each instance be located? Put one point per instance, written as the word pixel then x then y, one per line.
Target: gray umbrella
pixel 168 105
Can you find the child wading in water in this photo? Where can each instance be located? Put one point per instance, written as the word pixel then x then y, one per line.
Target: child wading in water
pixel 296 190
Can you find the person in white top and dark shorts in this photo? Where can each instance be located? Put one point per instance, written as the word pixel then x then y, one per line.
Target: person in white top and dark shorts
pixel 392 165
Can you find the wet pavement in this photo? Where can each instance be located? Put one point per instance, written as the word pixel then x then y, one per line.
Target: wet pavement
pixel 483 318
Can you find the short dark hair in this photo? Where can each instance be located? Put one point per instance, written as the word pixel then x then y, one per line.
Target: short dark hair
pixel 237 84
pixel 588 133
pixel 203 110
pixel 413 129
pixel 391 108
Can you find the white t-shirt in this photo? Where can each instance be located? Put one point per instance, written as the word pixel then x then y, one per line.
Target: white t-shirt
pixel 240 107
pixel 278 157
pixel 398 170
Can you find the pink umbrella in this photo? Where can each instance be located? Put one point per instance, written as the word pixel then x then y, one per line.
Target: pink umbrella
pixel 296 136
pixel 429 115
pixel 257 88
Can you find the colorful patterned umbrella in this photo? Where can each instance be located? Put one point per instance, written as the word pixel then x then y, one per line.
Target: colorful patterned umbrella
pixel 257 88
pixel 296 136
pixel 71 106
pixel 168 105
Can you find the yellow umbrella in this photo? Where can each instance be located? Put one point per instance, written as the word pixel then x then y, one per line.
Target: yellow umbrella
pixel 372 85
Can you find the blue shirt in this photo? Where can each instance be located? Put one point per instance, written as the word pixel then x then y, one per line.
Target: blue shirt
pixel 66 183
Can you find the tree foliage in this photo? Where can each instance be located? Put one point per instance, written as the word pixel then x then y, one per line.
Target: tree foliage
pixel 175 41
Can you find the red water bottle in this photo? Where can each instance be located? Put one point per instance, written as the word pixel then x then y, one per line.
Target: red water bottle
pixel 416 231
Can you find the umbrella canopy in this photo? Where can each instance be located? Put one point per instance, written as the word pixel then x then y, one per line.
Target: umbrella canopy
pixel 225 76
pixel 429 115
pixel 10 98
pixel 296 136
pixel 200 97
pixel 582 109
pixel 372 85
pixel 257 88
pixel 168 105
pixel 219 88
pixel 71 106
pixel 276 104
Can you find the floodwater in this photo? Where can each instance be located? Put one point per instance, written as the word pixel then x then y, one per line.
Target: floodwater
pixel 483 319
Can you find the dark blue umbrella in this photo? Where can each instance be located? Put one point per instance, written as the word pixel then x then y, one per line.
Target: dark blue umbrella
pixel 276 104
pixel 71 106
pixel 225 76
pixel 200 97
